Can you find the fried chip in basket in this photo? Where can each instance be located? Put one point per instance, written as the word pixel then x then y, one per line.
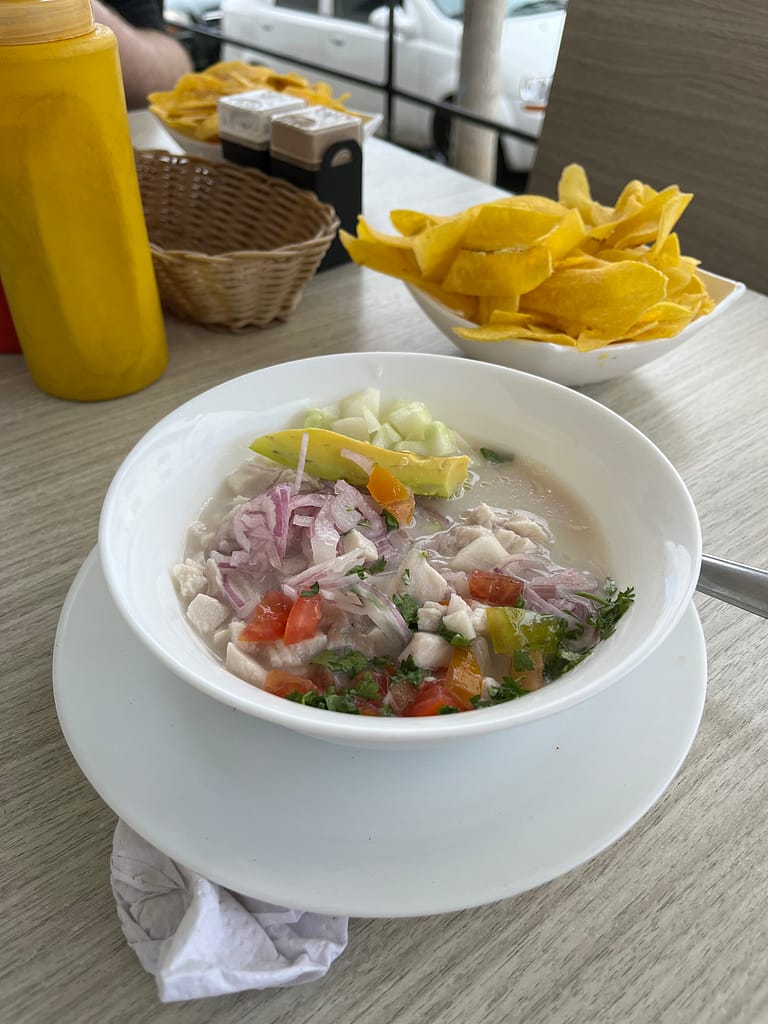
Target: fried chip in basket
pixel 569 271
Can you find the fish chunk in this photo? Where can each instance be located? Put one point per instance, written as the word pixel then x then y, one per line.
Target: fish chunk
pixel 428 651
pixel 206 613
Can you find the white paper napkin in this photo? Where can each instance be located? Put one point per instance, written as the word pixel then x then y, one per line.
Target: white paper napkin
pixel 199 939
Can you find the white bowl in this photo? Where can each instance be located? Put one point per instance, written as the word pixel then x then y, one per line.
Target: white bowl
pixel 567 365
pixel 641 505
pixel 212 150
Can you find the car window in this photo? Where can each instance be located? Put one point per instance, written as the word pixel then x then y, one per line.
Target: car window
pixel 356 10
pixel 307 6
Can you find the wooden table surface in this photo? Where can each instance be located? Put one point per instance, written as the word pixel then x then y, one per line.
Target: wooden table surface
pixel 668 925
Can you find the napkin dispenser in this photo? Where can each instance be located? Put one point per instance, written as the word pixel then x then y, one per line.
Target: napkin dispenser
pixel 245 121
pixel 320 149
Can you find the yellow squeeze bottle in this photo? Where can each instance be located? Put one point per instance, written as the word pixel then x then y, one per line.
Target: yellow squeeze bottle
pixel 74 255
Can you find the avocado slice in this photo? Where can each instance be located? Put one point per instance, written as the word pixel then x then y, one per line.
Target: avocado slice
pixel 438 476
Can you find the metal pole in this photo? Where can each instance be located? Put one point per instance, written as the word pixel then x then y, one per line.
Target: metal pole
pixel 473 149
pixel 390 82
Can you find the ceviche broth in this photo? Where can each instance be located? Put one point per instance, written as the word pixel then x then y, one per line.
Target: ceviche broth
pixel 374 600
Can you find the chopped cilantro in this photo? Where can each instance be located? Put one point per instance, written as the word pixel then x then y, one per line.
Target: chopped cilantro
pixel 609 608
pixel 408 608
pixel 356 570
pixel 522 661
pixel 347 660
pixel 494 457
pixel 563 660
pixel 344 702
pixel 366 687
pixel 390 521
pixel 409 672
pixel 447 709
pixel 312 699
pixel 310 591
pixel 508 689
pixel 406 577
pixel 378 566
pixel 512 686
pixel 454 638
pixel 379 662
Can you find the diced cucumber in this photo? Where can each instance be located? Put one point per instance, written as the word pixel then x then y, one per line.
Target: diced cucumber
pixel 410 419
pixel 417 447
pixel 315 418
pixel 322 417
pixel 440 439
pixel 386 436
pixel 370 421
pixel 356 405
pixel 351 426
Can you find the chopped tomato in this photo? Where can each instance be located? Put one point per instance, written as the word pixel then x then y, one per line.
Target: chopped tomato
pixel 369 708
pixel 464 676
pixel 431 697
pixel 303 619
pixel 401 694
pixel 392 495
pixel 282 684
pixel 494 588
pixel 268 621
pixel 322 677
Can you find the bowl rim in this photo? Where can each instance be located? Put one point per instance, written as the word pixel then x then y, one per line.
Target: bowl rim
pixel 397 730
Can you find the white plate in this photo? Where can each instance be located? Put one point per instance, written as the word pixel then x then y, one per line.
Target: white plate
pixel 566 365
pixel 212 150
pixel 337 830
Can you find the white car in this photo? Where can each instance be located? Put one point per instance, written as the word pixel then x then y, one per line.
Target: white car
pixel 351 35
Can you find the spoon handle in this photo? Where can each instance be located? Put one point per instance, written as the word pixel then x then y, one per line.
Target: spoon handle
pixel 736 584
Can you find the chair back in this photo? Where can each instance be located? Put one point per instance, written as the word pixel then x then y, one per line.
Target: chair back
pixel 670 93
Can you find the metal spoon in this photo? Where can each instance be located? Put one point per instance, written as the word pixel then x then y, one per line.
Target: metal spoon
pixel 736 584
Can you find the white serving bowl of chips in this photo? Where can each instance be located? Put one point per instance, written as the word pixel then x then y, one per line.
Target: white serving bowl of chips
pixel 565 364
pixel 192 146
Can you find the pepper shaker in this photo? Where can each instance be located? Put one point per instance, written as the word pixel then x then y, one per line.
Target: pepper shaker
pixel 320 149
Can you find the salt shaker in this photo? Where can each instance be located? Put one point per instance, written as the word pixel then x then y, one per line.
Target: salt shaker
pixel 245 121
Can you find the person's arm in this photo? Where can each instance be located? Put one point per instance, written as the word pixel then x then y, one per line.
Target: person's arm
pixel 151 60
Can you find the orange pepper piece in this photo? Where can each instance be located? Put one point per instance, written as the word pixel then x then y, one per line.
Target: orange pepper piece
pixel 391 494
pixel 464 676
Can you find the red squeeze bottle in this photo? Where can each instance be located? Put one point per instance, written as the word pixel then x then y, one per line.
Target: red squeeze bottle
pixel 8 340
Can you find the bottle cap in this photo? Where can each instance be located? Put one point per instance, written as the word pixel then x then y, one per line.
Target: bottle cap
pixel 304 136
pixel 246 117
pixel 43 21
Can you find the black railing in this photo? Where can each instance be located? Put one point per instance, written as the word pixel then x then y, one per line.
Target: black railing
pixel 392 92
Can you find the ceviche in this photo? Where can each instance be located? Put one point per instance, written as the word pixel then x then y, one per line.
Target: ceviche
pixel 384 566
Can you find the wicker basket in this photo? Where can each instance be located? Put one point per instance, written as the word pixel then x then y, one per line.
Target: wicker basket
pixel 232 247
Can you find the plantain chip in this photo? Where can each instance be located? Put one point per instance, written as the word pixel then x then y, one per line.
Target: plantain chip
pixel 570 271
